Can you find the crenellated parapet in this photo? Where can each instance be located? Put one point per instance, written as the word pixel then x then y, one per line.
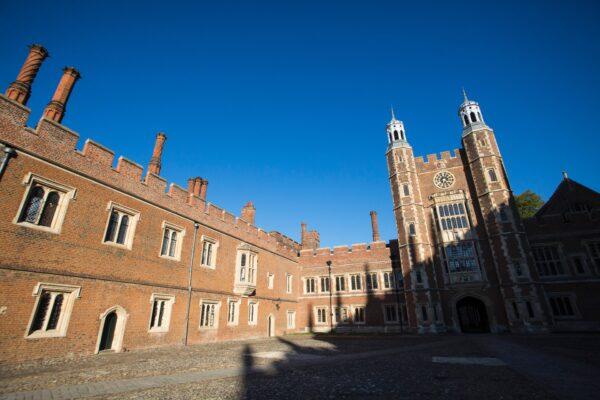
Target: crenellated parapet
pixel 55 143
pixel 445 159
pixel 358 253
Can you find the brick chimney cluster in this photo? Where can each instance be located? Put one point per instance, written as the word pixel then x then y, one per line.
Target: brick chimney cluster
pixel 197 187
pixel 249 213
pixel 309 239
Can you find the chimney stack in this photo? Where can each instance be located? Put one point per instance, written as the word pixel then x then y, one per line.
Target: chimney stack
pixel 20 90
pixel 155 162
pixel 309 240
pixel 248 213
pixel 375 226
pixel 55 110
pixel 203 188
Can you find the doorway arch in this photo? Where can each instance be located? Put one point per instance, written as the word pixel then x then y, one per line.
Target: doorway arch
pixel 271 325
pixel 472 315
pixel 112 329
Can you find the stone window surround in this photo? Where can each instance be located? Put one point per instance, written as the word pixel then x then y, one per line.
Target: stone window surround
pixel 134 218
pixel 348 317
pixel 385 320
pixel 573 299
pixel 321 289
pixel 179 244
pixel 588 246
pixel 561 258
pixel 215 248
pixel 236 316
pixel 254 320
pixel 291 316
pixel 352 308
pixel 289 280
pixel 316 315
pixel 314 286
pixel 71 293
pixel 217 305
pixel 169 301
pixel 66 194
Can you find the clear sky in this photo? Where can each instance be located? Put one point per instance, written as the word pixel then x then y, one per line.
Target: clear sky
pixel 285 103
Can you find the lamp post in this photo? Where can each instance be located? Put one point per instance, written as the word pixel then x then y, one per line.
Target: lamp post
pixel 330 303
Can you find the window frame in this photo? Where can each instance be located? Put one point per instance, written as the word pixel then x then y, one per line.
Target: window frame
pixel 317 314
pixel 70 294
pixel 335 315
pixel 217 306
pixel 213 256
pixel 66 194
pixel 560 258
pixel 236 317
pixel 359 286
pixel 166 322
pixel 270 280
pixel 572 302
pixel 178 244
pixel 321 280
pixel 343 280
pixel 289 283
pixel 253 304
pixel 385 319
pixel 291 313
pixel 353 308
pixel 134 217
pixel 390 280
pixel 313 286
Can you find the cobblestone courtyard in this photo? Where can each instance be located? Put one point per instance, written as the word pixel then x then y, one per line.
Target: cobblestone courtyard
pixel 373 367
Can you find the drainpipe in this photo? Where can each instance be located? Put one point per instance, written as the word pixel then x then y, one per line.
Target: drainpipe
pixel 189 300
pixel 9 153
pixel 330 303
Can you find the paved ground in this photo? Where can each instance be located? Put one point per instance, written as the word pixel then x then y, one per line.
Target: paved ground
pixel 297 367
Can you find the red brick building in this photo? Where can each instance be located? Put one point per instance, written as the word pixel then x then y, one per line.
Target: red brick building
pixel 99 257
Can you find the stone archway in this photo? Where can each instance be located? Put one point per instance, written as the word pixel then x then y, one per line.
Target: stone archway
pixel 472 315
pixel 112 329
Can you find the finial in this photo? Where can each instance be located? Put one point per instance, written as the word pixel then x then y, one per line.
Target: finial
pixel 392 109
pixel 465 95
pixel 565 176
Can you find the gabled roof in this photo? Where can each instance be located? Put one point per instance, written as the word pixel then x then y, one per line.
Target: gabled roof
pixel 568 195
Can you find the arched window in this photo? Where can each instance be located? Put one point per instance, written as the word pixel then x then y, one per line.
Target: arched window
pixel 479 115
pixel 32 208
pixel 395 135
pixel 402 135
pixel 411 230
pixel 390 137
pixel 492 175
pixel 466 119
pixel 49 209
pixel 123 229
pixel 473 117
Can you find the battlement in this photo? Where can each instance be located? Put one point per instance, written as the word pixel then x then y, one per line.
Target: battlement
pixel 52 141
pixel 435 161
pixel 344 254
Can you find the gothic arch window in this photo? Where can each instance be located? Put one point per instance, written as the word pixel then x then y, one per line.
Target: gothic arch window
pixel 473 117
pixel 466 119
pixel 395 135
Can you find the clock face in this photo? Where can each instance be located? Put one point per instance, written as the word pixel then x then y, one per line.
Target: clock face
pixel 443 179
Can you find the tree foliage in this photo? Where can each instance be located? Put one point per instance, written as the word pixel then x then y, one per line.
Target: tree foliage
pixel 528 203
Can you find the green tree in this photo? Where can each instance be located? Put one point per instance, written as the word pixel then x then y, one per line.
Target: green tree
pixel 528 203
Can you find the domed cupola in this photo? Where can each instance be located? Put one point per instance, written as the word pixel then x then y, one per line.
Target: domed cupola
pixel 396 133
pixel 470 114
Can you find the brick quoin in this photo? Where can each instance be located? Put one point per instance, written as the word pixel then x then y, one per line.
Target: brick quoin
pixel 126 278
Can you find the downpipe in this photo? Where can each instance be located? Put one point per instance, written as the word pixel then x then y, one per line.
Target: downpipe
pixel 9 153
pixel 189 299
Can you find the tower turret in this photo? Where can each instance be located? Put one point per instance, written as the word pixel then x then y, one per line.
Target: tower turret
pixel 396 133
pixel 470 115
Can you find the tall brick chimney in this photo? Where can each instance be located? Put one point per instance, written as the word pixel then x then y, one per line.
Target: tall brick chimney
pixel 20 90
pixel 309 239
pixel 55 110
pixel 155 162
pixel 375 226
pixel 248 213
pixel 203 188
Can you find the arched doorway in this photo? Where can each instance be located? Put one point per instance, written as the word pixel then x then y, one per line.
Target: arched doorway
pixel 271 328
pixel 108 331
pixel 472 315
pixel 112 329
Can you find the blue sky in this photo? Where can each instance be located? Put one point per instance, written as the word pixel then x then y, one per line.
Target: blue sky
pixel 285 103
